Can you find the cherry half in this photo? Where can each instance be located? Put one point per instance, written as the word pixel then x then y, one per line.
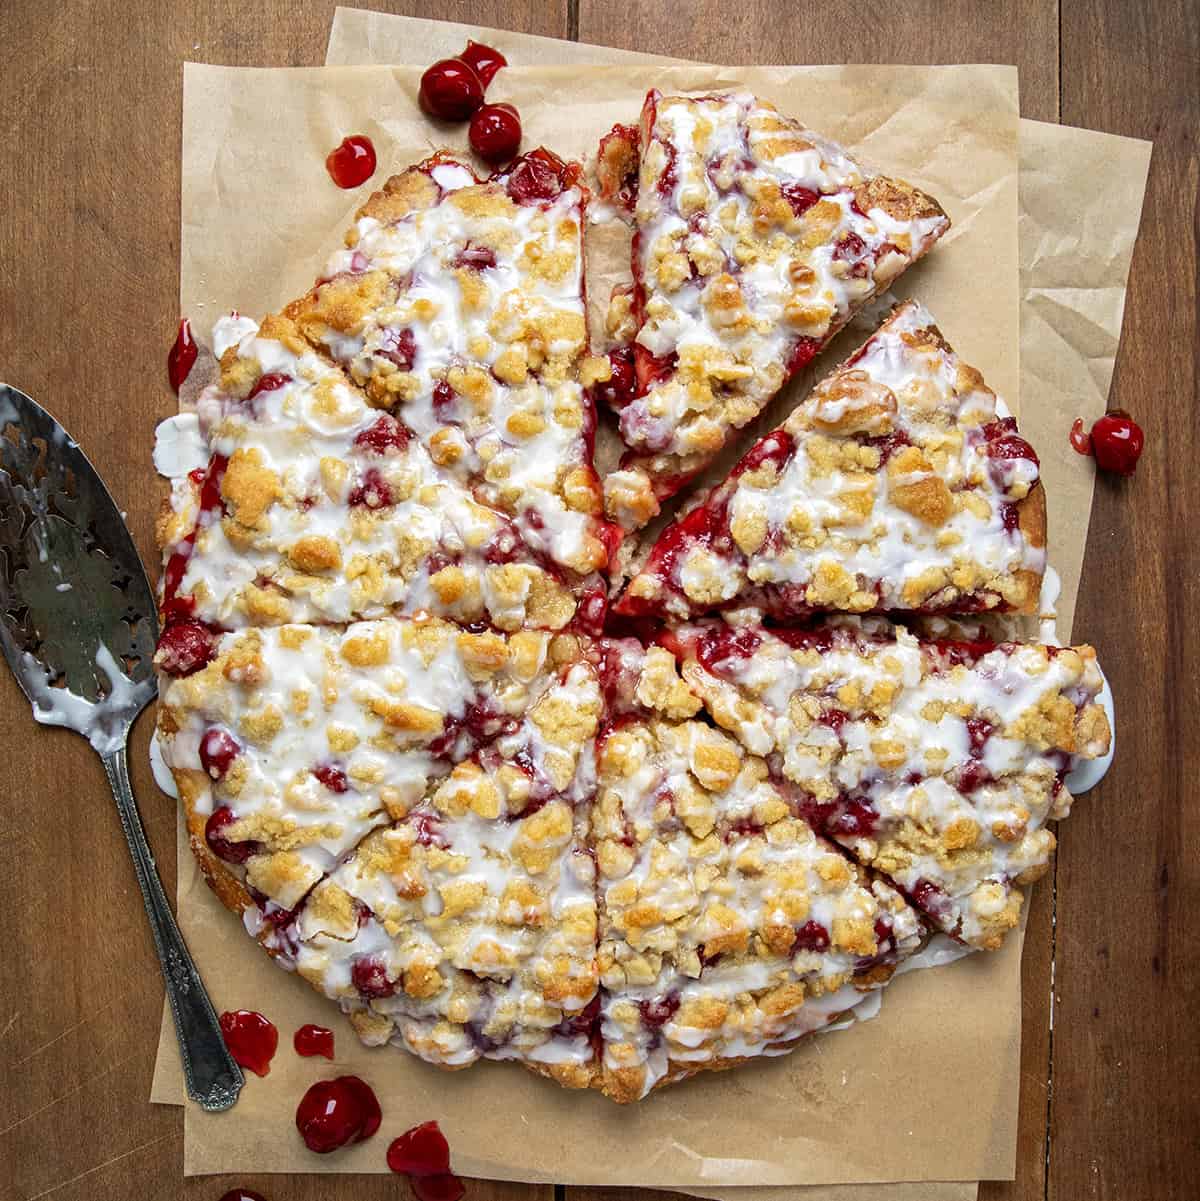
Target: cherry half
pixel 336 1112
pixel 423 1155
pixel 181 358
pixel 1117 442
pixel 450 90
pixel 486 60
pixel 495 133
pixel 352 161
pixel 251 1039
pixel 312 1040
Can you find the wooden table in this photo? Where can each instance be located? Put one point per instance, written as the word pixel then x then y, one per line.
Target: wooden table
pixel 90 96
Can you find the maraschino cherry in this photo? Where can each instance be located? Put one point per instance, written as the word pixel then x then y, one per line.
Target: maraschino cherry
pixel 336 1112
pixel 450 90
pixel 352 161
pixel 423 1155
pixel 1116 441
pixel 495 133
pixel 251 1039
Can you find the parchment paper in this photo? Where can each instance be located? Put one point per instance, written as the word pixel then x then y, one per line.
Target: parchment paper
pixel 473 1156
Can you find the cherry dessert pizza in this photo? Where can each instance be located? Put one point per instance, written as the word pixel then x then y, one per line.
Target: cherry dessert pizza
pixel 488 822
pixel 899 483
pixel 755 241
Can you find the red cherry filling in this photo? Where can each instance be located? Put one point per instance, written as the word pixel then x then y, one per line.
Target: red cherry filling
pixel 386 435
pixel 371 492
pixel 660 1011
pixel 800 198
pixel 1080 439
pixel 495 133
pixel 928 896
pixel 312 1040
pixel 336 1112
pixel 218 749
pixel 352 162
pixel 486 60
pixel 185 647
pixel 854 818
pixel 477 258
pixel 429 832
pixel 269 383
pixel 720 644
pixel 803 353
pixel 251 1039
pixel 450 90
pixel 979 730
pixel 398 346
pixel 370 977
pixel 812 936
pixel 1117 442
pixel 888 444
pixel 332 776
pixel 226 848
pixel 618 390
pixel 538 175
pixel 835 719
pixel 181 358
pixel 972 776
pixel 444 402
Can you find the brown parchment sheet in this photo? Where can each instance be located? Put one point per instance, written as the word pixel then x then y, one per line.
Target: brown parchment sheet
pixel 167 1085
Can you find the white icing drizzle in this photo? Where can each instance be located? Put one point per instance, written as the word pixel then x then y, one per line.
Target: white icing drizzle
pixel 101 724
pixel 179 447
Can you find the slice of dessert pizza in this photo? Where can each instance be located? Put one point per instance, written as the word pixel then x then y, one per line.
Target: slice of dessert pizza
pixel 467 929
pixel 899 483
pixel 293 742
pixel 458 305
pixel 937 764
pixel 316 505
pixel 728 928
pixel 755 241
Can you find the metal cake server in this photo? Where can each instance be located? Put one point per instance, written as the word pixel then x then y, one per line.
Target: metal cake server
pixel 78 628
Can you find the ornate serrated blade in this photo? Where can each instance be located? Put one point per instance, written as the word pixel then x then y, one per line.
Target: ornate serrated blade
pixel 77 614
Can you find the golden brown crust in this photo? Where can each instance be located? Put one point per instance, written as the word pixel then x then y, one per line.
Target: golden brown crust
pixel 897 198
pixel 1031 519
pixel 229 890
pixel 624 1086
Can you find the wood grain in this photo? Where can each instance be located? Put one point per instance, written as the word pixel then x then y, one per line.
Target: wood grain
pixel 1126 1112
pixel 88 285
pixel 1023 32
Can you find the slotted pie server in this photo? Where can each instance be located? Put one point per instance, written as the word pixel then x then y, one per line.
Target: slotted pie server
pixel 78 628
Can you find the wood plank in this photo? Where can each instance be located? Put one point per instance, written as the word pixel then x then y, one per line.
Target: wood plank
pixel 1023 32
pixel 1125 1112
pixel 90 251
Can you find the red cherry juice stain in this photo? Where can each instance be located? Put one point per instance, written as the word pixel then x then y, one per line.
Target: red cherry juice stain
pixel 181 358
